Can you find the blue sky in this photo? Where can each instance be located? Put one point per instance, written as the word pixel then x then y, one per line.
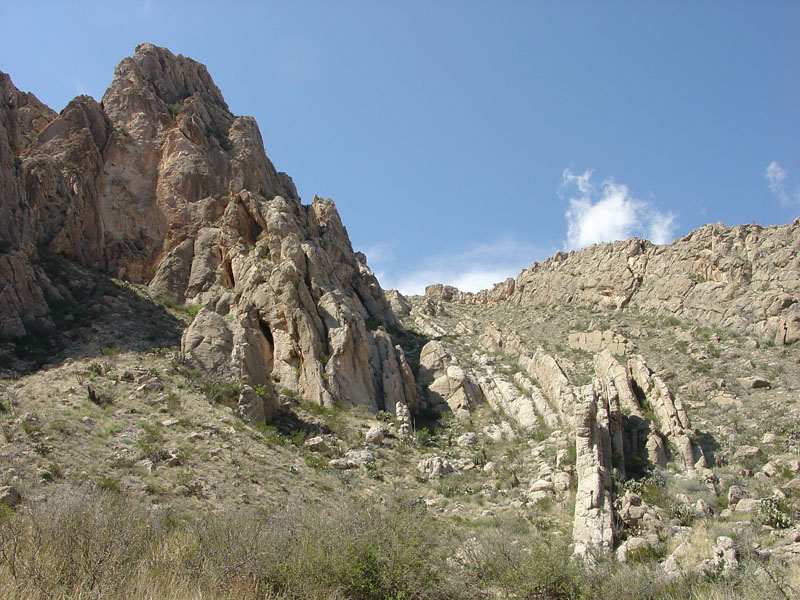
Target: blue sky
pixel 464 140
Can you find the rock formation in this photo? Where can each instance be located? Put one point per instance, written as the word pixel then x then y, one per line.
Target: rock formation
pixel 160 184
pixel 448 385
pixel 593 527
pixel 746 278
pixel 619 423
pixel 595 341
pixel 670 415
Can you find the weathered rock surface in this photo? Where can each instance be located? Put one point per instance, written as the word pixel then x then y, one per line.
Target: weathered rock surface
pixel 505 397
pixel 374 435
pixel 447 384
pixel 746 278
pixel 162 185
pixel 596 341
pixel 593 526
pixel 435 467
pixel 670 415
pixel 552 380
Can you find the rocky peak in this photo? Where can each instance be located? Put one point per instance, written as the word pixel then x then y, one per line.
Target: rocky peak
pixel 162 185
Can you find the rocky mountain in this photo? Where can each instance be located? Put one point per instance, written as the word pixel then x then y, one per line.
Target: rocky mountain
pixel 160 184
pixel 745 278
pixel 179 331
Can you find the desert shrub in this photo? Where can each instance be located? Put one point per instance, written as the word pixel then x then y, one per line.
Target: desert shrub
pixel 101 397
pixel 774 513
pixel 96 369
pixel 538 568
pixel 110 484
pixel 652 488
pixel 151 441
pixel 79 543
pixel 383 416
pixel 683 514
pixel 221 392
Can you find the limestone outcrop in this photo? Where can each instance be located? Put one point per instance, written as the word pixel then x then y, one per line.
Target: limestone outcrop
pixel 446 383
pixel 505 397
pixel 670 415
pixel 746 278
pixel 641 436
pixel 161 185
pixel 552 380
pixel 593 526
pixel 596 341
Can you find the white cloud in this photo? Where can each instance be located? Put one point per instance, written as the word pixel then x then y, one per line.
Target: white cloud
pixel 776 180
pixel 469 269
pixel 662 228
pixel 609 212
pixel 378 254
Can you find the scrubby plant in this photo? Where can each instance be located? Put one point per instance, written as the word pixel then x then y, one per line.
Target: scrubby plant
pixel 774 512
pixel 221 392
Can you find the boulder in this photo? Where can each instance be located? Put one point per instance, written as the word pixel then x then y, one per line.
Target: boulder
pixel 435 467
pixel 360 457
pixel 753 382
pixel 9 496
pixel 318 444
pixel 745 452
pixel 735 493
pixel 467 439
pixel 342 464
pixel 374 435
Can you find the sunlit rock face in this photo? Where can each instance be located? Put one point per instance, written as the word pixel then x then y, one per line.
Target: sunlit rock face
pixel 160 184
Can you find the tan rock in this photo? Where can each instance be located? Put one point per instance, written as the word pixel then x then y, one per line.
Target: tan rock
pixel 505 397
pixel 715 275
pixel 594 517
pixel 318 444
pixel 435 467
pixel 374 436
pixel 753 382
pixel 552 381
pixel 403 416
pixel 670 416
pixel 597 341
pixel 162 185
pixel 744 452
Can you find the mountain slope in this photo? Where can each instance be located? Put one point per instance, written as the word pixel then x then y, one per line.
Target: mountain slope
pixel 160 184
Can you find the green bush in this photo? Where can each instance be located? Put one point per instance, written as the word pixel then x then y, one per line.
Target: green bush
pixel 774 513
pixel 222 392
pixel 110 484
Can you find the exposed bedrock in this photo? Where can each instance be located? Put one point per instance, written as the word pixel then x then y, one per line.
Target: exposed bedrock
pixel 746 278
pixel 160 184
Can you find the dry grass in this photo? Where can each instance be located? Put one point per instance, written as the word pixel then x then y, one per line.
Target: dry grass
pixel 82 543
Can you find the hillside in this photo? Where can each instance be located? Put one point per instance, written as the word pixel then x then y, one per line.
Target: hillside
pixel 206 393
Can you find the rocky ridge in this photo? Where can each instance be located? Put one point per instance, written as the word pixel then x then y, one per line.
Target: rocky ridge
pixel 161 185
pixel 746 278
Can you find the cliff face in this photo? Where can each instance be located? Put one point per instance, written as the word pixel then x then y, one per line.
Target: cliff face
pixel 22 116
pixel 160 184
pixel 746 278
